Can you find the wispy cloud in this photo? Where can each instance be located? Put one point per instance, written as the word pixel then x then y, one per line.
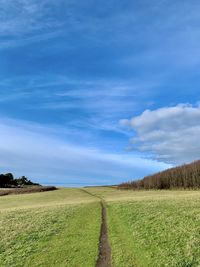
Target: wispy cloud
pixel 24 17
pixel 26 22
pixel 16 42
pixel 101 98
pixel 28 149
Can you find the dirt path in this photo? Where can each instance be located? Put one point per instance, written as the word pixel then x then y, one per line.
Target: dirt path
pixel 104 258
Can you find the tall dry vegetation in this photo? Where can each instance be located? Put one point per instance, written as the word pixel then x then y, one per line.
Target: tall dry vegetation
pixel 185 176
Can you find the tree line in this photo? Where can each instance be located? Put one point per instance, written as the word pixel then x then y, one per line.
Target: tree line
pixel 185 176
pixel 8 180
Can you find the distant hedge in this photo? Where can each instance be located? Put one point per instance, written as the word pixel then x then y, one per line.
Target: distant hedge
pixel 185 176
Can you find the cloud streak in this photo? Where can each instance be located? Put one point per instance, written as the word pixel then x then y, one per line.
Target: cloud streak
pixel 26 22
pixel 32 150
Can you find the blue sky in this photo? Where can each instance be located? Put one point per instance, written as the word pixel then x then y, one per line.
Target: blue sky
pixel 98 92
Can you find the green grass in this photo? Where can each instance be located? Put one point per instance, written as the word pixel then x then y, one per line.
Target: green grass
pixel 58 228
pixel 111 194
pixel 61 228
pixel 45 199
pixel 155 231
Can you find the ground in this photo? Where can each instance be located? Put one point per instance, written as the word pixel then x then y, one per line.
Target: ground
pixel 62 228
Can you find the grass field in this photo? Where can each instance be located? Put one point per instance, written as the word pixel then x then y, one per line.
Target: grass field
pixel 58 228
pixel 154 232
pixel 61 228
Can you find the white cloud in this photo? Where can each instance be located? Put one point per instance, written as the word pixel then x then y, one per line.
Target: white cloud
pixel 170 134
pixel 36 151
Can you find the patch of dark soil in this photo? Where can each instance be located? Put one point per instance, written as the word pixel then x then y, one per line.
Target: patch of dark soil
pixel 104 258
pixel 26 190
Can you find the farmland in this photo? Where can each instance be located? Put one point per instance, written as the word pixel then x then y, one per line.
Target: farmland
pixel 62 228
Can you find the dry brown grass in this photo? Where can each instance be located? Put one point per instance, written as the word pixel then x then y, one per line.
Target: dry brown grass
pixel 26 190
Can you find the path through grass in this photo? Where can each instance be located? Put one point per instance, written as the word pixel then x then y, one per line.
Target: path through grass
pixel 61 228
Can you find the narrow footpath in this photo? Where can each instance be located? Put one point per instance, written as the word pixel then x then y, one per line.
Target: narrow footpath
pixel 104 257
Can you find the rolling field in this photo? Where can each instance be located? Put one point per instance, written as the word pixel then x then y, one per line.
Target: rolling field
pixel 58 228
pixel 62 228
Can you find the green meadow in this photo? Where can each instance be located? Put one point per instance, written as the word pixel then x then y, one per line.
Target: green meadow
pixel 58 228
pixel 62 228
pixel 155 232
